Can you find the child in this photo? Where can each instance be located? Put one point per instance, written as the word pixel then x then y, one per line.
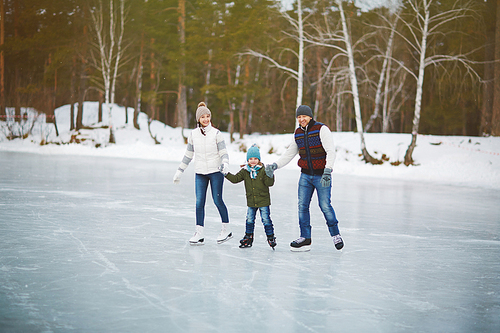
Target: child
pixel 257 185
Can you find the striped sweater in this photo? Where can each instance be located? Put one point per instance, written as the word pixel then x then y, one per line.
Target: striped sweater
pixel 324 137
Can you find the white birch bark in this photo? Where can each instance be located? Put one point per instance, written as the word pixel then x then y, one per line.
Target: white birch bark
pixel 300 71
pixel 109 57
pixel 354 83
pixel 384 76
pixel 421 26
pixel 297 74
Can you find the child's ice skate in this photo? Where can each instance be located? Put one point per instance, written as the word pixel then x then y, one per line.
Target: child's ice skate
pixel 246 241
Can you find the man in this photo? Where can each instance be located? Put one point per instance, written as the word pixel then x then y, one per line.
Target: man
pixel 314 144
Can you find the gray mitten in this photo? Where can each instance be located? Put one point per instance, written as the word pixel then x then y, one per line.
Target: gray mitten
pixel 270 169
pixel 326 179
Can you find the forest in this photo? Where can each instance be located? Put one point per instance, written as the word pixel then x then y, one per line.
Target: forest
pixel 419 66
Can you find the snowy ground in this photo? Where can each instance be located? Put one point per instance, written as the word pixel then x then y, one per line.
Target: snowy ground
pixel 95 239
pixel 457 160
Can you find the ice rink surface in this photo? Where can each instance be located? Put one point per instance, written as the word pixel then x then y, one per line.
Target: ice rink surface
pixel 100 245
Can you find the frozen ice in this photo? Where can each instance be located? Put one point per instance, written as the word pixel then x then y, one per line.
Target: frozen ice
pixel 97 244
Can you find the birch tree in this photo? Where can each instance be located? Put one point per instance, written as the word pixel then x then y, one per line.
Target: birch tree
pixel 298 35
pixel 384 76
pixel 426 21
pixel 2 63
pixel 340 41
pixel 182 118
pixel 109 35
pixel 354 85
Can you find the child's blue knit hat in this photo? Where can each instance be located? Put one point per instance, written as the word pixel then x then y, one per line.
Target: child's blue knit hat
pixel 253 152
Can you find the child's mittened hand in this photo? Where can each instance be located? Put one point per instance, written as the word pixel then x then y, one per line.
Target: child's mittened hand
pixel 270 169
pixel 326 179
pixel 177 177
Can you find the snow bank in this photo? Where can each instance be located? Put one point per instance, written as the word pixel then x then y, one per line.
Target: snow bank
pixel 456 160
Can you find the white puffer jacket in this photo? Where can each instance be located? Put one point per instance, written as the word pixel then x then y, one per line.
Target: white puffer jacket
pixel 209 151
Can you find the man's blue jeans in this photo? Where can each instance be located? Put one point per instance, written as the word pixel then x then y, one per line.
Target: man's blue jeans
pixel 307 185
pixel 265 214
pixel 216 181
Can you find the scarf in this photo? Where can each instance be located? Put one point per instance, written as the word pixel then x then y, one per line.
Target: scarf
pixel 253 170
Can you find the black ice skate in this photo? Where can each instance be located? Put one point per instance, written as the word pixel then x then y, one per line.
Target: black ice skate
pixel 271 240
pixel 338 241
pixel 301 244
pixel 246 241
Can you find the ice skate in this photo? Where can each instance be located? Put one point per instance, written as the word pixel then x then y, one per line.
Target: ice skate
pixel 271 240
pixel 301 244
pixel 198 237
pixel 338 241
pixel 246 241
pixel 225 234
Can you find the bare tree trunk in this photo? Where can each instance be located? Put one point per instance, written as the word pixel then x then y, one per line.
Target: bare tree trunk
pixel 17 83
pixel 420 82
pixel 73 93
pixel 338 117
pixel 182 96
pixel 383 76
pixel 385 107
pixel 489 78
pixel 250 111
pixel 354 86
pixel 319 85
pixel 2 64
pixel 82 86
pixel 243 107
pixel 53 104
pixel 209 73
pixel 152 76
pixel 295 74
pixel 495 118
pixel 138 86
pixel 109 57
pixel 230 105
pixel 99 111
pixel 300 70
pixel 81 95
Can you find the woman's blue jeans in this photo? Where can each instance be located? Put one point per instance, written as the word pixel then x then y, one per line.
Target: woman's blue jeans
pixel 307 185
pixel 265 214
pixel 216 181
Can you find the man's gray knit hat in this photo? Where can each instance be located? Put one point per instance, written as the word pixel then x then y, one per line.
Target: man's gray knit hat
pixel 304 110
pixel 201 110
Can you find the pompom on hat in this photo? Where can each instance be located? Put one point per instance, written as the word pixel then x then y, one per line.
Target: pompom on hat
pixel 201 110
pixel 253 152
pixel 304 110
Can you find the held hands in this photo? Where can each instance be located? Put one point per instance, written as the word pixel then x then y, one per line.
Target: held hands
pixel 224 168
pixel 326 179
pixel 270 169
pixel 177 177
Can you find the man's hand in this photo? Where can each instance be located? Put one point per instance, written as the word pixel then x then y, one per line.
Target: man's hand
pixel 326 179
pixel 270 169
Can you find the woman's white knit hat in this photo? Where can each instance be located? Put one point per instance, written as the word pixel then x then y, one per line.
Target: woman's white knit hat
pixel 201 110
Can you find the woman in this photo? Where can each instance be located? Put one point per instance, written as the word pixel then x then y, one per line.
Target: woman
pixel 211 160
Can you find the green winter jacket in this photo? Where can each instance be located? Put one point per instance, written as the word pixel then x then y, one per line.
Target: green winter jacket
pixel 257 190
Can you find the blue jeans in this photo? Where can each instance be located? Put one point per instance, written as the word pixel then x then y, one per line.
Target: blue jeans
pixel 216 180
pixel 265 214
pixel 307 185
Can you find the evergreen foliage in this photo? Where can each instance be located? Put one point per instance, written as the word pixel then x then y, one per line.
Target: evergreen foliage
pixel 48 52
